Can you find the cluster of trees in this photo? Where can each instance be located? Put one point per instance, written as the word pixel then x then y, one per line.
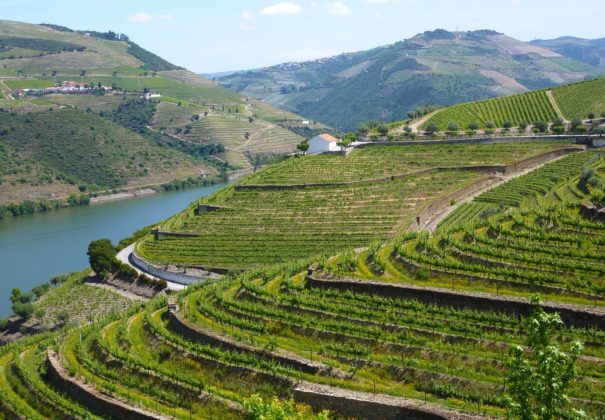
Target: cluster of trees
pixel 102 258
pixel 23 302
pixel 31 207
pixel 558 126
pixel 40 44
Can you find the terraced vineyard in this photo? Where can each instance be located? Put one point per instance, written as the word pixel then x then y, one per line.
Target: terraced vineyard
pixel 276 223
pixel 576 101
pixel 379 162
pixel 551 184
pixel 526 107
pixel 257 227
pixel 580 99
pixel 542 247
pixel 232 130
pixel 418 326
pixel 279 333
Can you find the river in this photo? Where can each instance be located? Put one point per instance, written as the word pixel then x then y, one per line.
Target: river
pixel 37 247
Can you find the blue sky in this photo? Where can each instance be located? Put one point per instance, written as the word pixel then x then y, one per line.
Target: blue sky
pixel 219 35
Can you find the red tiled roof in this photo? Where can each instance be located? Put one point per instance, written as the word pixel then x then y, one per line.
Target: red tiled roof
pixel 329 138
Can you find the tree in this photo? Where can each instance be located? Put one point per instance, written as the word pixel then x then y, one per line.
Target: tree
pixel 558 121
pixel 591 115
pixel 542 126
pixel 522 125
pixel 575 123
pixel 537 379
pixel 452 127
pixel 303 147
pixel 257 409
pixel 102 257
pixel 473 126
pixel 490 125
pixel 507 125
pixel 432 128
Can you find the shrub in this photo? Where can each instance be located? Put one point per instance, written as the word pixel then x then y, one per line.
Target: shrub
pixel 63 316
pixel 24 310
pixel 3 324
pixel 39 291
pixel 423 274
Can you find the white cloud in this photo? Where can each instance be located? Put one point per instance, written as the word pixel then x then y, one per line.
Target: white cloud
pixel 245 27
pixel 247 14
pixel 307 53
pixel 378 1
pixel 140 17
pixel 338 8
pixel 166 16
pixel 314 4
pixel 282 9
pixel 378 14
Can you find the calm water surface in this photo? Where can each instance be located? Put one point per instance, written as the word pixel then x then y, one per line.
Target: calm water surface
pixel 34 248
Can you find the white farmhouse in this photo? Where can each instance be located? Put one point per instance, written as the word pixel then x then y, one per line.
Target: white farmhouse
pixel 322 144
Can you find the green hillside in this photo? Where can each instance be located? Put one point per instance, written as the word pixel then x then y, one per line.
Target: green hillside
pixel 435 68
pixel 194 113
pixel 589 51
pixel 576 101
pixel 422 322
pixel 51 154
pixel 256 226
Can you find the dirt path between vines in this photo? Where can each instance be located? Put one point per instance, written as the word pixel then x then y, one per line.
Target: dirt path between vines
pixel 555 105
pixel 442 213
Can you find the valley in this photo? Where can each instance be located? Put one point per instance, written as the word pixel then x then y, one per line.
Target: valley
pixel 411 231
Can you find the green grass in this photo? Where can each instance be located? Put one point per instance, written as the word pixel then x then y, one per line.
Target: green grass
pixel 28 84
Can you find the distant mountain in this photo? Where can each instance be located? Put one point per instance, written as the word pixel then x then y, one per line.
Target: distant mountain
pixel 589 51
pixel 432 68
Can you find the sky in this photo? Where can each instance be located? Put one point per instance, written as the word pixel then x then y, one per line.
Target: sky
pixel 209 36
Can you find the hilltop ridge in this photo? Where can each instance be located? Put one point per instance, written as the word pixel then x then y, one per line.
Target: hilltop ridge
pixel 432 68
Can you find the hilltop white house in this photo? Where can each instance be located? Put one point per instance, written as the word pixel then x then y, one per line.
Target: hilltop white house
pixel 322 144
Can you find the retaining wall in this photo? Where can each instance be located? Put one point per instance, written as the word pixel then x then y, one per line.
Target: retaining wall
pixel 279 187
pixel 592 212
pixel 364 405
pixel 536 160
pixel 579 139
pixel 182 326
pixel 92 398
pixel 180 278
pixel 581 317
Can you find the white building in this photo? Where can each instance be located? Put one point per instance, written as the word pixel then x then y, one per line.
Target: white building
pixel 322 144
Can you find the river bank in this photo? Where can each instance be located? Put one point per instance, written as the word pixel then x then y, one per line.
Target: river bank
pixel 36 247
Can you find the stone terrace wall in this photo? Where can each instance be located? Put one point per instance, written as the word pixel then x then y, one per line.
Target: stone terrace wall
pixel 179 278
pixel 577 316
pixel 579 139
pixel 365 405
pixel 91 397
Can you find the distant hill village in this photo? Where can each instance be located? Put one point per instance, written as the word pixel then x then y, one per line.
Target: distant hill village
pixel 73 87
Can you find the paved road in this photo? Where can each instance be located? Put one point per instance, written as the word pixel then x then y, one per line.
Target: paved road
pixel 124 256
